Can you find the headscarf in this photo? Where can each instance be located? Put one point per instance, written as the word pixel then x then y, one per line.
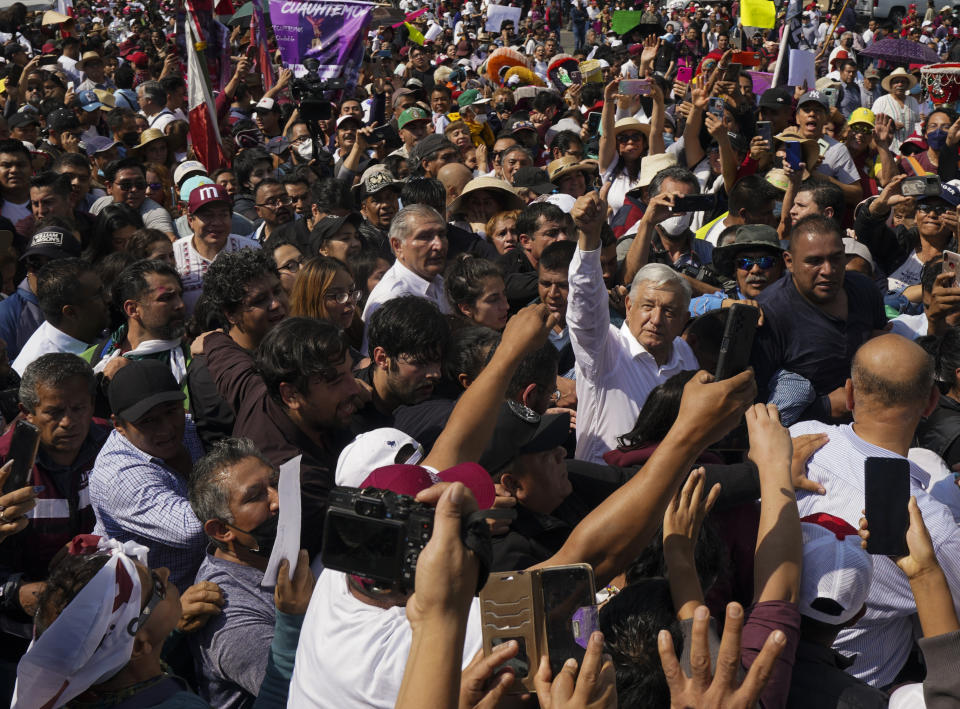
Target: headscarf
pixel 89 642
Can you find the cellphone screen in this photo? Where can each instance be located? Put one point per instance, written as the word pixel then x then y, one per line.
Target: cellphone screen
pixel 23 450
pixel 886 487
pixel 565 591
pixel 593 121
pixel 765 131
pixel 794 154
pixel 951 264
pixel 684 74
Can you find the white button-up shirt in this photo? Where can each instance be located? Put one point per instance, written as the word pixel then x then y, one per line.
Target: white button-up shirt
pixel 400 280
pixel 883 637
pixel 615 374
pixel 46 340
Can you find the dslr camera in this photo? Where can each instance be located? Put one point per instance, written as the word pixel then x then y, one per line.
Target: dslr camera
pixel 376 534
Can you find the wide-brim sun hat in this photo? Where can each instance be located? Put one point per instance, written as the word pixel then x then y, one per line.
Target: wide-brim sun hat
pixel 898 73
pixel 502 189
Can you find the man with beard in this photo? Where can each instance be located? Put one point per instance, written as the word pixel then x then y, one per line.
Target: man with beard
pixel 418 236
pixel 408 339
pixel 274 206
pixel 233 493
pixel 150 296
pixel 754 260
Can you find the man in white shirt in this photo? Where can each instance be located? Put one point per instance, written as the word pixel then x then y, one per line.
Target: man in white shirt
pixel 68 61
pixel 74 305
pixel 209 217
pixel 418 237
pixel 891 388
pixel 153 104
pixel 618 368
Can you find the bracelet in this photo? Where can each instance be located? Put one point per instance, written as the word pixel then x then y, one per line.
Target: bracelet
pixel 10 594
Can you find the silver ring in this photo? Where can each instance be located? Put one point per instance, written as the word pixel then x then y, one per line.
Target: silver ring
pixel 4 520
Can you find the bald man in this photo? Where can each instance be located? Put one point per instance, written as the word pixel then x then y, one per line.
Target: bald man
pixel 815 318
pixel 454 176
pixel 890 389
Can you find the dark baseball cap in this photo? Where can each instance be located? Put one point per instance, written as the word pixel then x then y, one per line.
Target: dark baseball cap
pixel 534 178
pixel 522 430
pixel 52 242
pixel 12 49
pixel 23 118
pixel 62 119
pixel 948 193
pixel 141 385
pixel 776 98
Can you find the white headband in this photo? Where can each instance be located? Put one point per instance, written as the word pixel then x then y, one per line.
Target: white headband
pixel 89 641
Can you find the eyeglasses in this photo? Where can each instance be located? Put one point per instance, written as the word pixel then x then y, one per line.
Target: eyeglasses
pixel 277 202
pixel 625 138
pixel 862 129
pixel 937 209
pixel 745 263
pixel 158 593
pixel 155 186
pixel 130 186
pixel 342 296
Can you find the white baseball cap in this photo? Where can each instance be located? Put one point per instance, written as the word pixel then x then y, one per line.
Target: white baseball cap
pixel 372 450
pixel 187 167
pixel 837 571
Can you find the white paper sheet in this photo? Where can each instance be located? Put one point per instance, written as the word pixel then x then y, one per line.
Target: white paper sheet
pixel 497 14
pixel 287 545
pixel 802 68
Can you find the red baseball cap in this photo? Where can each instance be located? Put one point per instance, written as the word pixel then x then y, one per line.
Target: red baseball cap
pixel 203 195
pixel 139 60
pixel 411 479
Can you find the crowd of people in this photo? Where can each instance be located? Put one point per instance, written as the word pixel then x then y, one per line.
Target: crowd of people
pixel 493 273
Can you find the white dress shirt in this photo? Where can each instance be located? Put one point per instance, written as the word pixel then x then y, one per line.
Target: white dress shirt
pixel 45 340
pixel 883 637
pixel 400 280
pixel 615 374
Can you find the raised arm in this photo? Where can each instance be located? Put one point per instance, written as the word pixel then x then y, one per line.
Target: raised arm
pixel 607 150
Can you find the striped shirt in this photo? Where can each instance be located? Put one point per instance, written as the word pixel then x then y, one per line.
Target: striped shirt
pixel 615 374
pixel 192 266
pixel 883 637
pixel 136 496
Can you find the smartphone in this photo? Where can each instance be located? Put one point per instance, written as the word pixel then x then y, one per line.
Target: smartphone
pixel 737 340
pixel 548 611
pixel 251 50
pixel 593 122
pixel 951 264
pixel 684 74
pixel 717 107
pixel 576 77
pixel 386 132
pixel 732 72
pixel 23 451
pixel 69 86
pixel 635 87
pixel 746 58
pixel 765 131
pixel 794 154
pixel 886 485
pixel 921 186
pixel 694 203
pixel 831 93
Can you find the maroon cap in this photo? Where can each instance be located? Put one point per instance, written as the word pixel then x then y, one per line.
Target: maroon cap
pixel 411 479
pixel 203 195
pixel 49 48
pixel 139 60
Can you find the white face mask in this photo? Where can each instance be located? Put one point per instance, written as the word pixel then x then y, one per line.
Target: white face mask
pixel 305 150
pixel 675 226
pixel 480 118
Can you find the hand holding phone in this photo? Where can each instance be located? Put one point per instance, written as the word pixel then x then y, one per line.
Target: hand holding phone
pixel 694 203
pixel 886 489
pixel 737 342
pixel 951 264
pixel 765 131
pixel 794 154
pixel 23 451
pixel 635 87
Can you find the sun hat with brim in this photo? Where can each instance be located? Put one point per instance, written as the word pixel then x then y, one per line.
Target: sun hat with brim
pixel 88 57
pixel 377 178
pixel 568 165
pixel 625 125
pixel 499 188
pixel 650 165
pixel 898 73
pixel 150 135
pixel 825 82
pixel 748 237
pixel 810 147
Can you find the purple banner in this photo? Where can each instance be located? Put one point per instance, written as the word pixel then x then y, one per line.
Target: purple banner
pixel 330 31
pixel 762 81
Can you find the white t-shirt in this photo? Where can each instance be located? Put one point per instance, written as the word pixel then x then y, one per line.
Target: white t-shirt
pixel 907 274
pixel 837 162
pixel 15 212
pixel 352 654
pixel 629 71
pixel 192 266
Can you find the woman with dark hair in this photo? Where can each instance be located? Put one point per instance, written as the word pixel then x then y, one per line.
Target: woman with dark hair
pixel 476 291
pixel 151 244
pixel 115 224
pixel 325 289
pixel 658 414
pixel 940 431
pixel 368 268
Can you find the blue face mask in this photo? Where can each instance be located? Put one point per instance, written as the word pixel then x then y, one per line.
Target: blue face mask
pixel 937 139
pixel 668 140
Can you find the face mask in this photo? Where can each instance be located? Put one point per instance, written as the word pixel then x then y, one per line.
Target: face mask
pixel 305 150
pixel 264 534
pixel 130 139
pixel 937 139
pixel 668 139
pixel 480 118
pixel 675 226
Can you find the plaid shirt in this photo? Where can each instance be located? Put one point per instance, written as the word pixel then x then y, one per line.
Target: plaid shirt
pixel 136 496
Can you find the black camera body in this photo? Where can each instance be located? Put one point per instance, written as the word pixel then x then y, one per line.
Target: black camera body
pixel 376 534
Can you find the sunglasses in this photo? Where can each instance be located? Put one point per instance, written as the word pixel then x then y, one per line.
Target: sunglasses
pixel 937 209
pixel 128 186
pixel 862 129
pixel 625 138
pixel 155 186
pixel 157 594
pixel 745 263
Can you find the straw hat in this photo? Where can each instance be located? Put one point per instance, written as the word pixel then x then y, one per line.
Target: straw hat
pixel 106 98
pixel 500 188
pixel 899 73
pixel 150 135
pixel 52 17
pixel 810 147
pixel 650 165
pixel 567 165
pixel 88 57
pixel 625 125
